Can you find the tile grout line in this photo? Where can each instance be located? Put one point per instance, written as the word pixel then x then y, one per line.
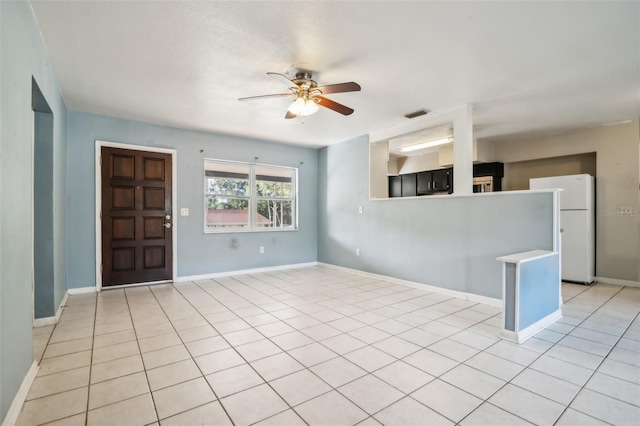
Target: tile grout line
pixel 486 400
pixel 558 344
pixel 144 367
pixel 95 312
pixel 267 382
pixel 452 313
pixel 459 331
pixel 542 372
pixel 46 345
pixel 191 355
pixel 308 368
pixel 398 359
pixel 63 371
pixel 599 365
pixel 371 345
pixel 372 296
pixel 338 355
pixel 508 382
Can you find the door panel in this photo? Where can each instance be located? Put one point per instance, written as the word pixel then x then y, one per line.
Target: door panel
pixel 136 217
pixel 575 246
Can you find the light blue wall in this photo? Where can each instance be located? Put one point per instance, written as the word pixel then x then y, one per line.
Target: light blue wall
pixel 43 268
pixel 23 57
pixel 538 291
pixel 198 253
pixel 449 242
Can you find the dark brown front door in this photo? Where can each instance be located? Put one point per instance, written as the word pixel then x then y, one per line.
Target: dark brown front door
pixel 136 217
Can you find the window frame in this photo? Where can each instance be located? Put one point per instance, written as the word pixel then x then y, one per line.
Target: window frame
pixel 253 199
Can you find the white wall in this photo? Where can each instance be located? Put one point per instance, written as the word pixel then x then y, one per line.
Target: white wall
pixel 517 175
pixel 617 169
pixel 378 181
pixel 418 163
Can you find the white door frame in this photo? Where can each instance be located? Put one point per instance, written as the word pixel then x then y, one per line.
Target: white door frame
pixel 98 201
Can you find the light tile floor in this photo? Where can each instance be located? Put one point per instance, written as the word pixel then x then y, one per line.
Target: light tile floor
pixel 321 346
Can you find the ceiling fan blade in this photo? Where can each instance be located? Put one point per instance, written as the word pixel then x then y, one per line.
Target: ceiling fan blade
pixel 278 95
pixel 328 103
pixel 283 79
pixel 339 88
pixel 289 115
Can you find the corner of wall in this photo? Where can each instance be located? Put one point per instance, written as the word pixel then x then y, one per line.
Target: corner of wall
pixel 24 56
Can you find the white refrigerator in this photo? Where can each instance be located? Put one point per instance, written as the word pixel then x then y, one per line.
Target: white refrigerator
pixel 577 224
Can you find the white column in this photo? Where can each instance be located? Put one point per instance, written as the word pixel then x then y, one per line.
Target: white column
pixel 378 180
pixel 463 151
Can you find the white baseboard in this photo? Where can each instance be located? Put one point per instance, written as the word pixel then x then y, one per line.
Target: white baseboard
pixel 82 290
pixel 63 303
pixel 616 281
pixel 453 293
pixel 42 322
pixel 521 336
pixel 244 272
pixel 492 301
pixel 16 406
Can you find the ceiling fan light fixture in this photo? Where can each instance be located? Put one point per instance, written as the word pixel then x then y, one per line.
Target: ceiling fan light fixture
pixel 309 97
pixel 423 145
pixel 303 106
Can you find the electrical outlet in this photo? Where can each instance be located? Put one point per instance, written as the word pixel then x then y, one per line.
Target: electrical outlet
pixel 357 252
pixel 261 249
pixel 184 212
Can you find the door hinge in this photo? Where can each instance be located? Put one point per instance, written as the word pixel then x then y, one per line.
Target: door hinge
pixel 100 268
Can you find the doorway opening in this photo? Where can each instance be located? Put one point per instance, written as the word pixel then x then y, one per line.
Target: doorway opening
pixel 43 292
pixel 43 253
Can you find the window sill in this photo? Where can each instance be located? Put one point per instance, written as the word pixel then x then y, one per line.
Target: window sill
pixel 248 230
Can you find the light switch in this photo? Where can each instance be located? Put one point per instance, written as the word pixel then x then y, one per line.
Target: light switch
pixel 184 212
pixel 360 209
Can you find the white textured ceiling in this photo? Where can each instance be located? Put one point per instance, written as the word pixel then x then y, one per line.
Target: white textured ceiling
pixel 529 68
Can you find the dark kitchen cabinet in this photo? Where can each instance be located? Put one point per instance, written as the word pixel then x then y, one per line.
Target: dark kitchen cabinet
pixel 424 182
pixel 494 170
pixel 395 186
pixel 441 180
pixel 409 185
pixel 433 181
pixel 488 169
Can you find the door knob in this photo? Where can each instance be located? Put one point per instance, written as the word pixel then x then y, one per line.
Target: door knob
pixel 166 225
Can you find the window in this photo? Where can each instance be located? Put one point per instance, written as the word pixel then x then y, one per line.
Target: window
pixel 249 197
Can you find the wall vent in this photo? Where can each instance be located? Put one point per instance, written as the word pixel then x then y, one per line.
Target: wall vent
pixel 417 113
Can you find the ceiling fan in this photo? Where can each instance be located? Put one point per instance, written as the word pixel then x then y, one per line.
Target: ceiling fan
pixel 308 95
